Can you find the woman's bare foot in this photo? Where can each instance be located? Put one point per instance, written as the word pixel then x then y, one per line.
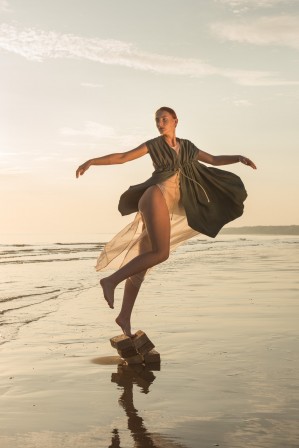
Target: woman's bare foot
pixel 125 325
pixel 108 291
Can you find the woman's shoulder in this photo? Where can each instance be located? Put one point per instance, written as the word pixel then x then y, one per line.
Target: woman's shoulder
pixel 153 141
pixel 188 148
pixel 185 141
pixel 158 143
pixel 160 140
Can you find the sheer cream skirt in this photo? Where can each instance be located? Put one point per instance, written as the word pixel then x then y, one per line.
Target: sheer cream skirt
pixel 133 239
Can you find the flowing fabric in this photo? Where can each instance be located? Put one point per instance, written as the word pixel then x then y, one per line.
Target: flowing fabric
pixel 200 199
pixel 211 197
pixel 133 239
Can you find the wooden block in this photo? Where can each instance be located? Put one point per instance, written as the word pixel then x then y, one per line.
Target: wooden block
pixel 140 338
pixel 137 359
pixel 127 352
pixel 146 348
pixel 142 343
pixel 152 357
pixel 121 342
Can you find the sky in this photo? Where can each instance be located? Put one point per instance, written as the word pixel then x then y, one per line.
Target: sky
pixel 80 79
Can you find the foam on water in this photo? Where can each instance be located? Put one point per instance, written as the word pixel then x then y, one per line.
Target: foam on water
pixel 36 277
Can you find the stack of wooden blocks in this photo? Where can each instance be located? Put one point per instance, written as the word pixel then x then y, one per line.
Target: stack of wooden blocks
pixel 136 350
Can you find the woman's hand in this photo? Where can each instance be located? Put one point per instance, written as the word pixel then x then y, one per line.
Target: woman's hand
pixel 247 162
pixel 223 160
pixel 82 168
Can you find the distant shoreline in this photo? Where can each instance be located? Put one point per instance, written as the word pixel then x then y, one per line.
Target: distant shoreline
pixel 103 238
pixel 261 230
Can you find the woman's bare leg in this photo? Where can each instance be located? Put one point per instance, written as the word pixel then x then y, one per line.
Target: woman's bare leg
pixel 155 214
pixel 124 317
pixel 131 290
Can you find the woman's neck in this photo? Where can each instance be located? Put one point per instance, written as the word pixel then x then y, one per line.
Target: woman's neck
pixel 170 139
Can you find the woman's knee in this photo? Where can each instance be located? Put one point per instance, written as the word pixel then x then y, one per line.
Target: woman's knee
pixel 162 255
pixel 137 279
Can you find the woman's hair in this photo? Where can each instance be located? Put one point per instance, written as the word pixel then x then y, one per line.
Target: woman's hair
pixel 169 110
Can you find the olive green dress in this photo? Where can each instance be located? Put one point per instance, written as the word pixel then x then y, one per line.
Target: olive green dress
pixel 200 199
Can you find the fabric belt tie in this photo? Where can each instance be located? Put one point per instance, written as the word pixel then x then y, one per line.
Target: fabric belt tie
pixel 181 172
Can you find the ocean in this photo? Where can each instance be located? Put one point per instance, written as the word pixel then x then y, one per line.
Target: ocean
pixel 36 277
pixel 223 313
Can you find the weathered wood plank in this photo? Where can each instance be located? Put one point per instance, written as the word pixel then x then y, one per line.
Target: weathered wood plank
pixel 152 357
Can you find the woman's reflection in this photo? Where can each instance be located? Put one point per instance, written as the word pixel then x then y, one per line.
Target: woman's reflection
pixel 143 376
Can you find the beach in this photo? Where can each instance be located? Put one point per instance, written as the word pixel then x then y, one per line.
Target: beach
pixel 223 314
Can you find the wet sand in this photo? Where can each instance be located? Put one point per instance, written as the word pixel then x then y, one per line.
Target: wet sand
pixel 226 326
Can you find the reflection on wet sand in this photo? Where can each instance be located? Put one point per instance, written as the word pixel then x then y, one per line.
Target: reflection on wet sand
pixel 142 376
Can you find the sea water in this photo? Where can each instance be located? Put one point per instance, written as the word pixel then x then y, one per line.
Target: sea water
pixel 222 312
pixel 37 276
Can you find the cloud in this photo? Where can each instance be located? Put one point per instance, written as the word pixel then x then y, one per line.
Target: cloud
pixel 247 4
pixel 13 163
pixel 237 102
pixel 4 6
pixel 242 103
pixel 39 45
pixel 90 129
pixel 275 30
pixel 92 132
pixel 91 84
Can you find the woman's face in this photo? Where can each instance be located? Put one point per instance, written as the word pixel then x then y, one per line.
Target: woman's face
pixel 165 123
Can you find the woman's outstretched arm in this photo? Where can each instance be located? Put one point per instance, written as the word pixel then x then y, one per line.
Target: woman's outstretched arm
pixel 114 159
pixel 224 160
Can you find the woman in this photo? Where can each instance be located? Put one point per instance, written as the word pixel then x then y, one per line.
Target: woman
pixel 181 199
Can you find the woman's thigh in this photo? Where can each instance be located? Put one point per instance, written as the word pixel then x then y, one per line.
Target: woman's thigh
pixel 155 216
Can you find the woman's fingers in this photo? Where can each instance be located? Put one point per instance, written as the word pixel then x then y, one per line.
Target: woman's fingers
pixel 247 162
pixel 250 163
pixel 81 170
